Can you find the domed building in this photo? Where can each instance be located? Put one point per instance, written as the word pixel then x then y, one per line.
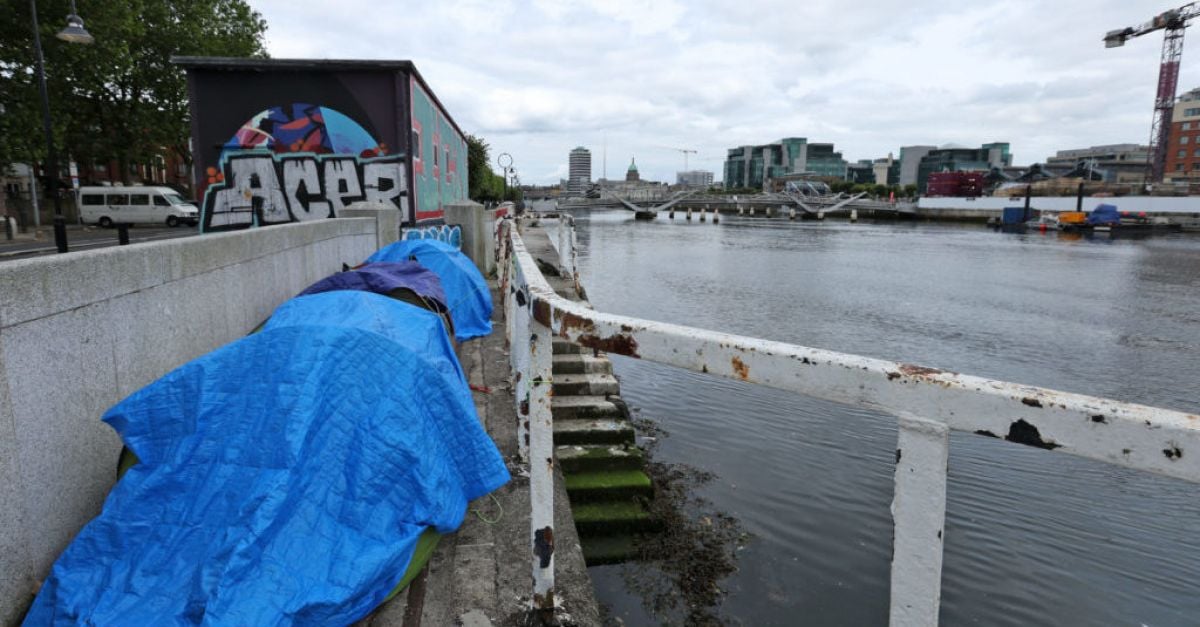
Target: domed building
pixel 632 173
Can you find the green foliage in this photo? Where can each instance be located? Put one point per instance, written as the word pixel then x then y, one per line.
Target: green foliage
pixel 478 170
pixel 119 98
pixel 484 185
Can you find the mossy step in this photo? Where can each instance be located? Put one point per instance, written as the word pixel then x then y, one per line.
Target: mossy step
pixel 585 385
pixel 601 431
pixel 581 364
pixel 614 549
pixel 588 406
pixel 609 517
pixel 588 458
pixel 590 487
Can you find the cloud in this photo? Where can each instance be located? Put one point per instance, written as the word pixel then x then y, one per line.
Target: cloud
pixel 628 77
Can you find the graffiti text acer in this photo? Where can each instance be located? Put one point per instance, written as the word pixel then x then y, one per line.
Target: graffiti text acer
pixel 259 188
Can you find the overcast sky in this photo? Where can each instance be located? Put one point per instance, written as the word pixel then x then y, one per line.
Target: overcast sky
pixel 537 78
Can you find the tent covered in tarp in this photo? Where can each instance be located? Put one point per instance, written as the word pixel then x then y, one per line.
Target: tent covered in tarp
pixel 466 291
pixel 385 278
pixel 284 478
pixel 1104 214
pixel 408 281
pixel 421 331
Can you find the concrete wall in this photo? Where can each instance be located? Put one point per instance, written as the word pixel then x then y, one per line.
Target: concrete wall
pixel 80 331
pixel 478 233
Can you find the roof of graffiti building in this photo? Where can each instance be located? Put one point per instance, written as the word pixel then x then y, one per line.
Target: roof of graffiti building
pixel 254 64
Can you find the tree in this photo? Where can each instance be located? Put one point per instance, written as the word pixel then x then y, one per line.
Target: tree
pixel 119 98
pixel 479 171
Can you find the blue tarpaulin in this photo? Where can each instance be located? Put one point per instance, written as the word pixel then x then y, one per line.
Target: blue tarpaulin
pixel 1104 214
pixel 382 278
pixel 466 291
pixel 422 330
pixel 284 478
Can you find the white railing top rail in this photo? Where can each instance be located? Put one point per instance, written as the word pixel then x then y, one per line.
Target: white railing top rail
pixel 927 403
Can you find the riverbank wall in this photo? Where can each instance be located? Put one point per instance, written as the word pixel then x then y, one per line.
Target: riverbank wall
pixel 80 331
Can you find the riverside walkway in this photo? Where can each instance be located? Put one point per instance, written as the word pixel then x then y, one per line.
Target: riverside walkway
pixel 480 574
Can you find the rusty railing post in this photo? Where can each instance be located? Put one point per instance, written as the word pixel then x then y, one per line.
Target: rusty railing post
pixel 918 519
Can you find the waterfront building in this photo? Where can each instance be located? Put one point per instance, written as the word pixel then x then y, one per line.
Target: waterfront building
pixel 861 172
pixel 950 158
pixel 632 173
pixel 1183 142
pixel 1112 163
pixel 754 166
pixel 885 171
pixel 910 161
pixel 694 178
pixel 579 171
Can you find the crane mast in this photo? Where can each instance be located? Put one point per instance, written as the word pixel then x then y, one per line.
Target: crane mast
pixel 1173 23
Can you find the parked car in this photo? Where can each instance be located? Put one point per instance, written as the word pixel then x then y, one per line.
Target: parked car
pixel 130 204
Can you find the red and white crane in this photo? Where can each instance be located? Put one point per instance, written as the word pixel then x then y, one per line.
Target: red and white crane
pixel 1172 23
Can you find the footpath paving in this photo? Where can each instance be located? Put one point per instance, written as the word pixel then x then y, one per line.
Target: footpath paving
pixel 482 574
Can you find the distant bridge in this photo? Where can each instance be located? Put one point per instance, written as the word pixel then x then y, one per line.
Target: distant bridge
pixel 650 212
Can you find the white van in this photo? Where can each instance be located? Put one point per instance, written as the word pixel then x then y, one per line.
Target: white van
pixel 131 204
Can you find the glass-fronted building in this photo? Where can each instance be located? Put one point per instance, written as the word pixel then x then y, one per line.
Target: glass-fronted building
pixel 752 166
pixel 955 159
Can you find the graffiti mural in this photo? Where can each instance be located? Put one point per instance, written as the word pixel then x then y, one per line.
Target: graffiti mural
pixel 282 140
pixel 259 189
pixel 299 162
pixel 451 235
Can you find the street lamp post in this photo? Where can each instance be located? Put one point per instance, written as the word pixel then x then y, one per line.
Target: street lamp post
pixel 73 33
pixel 505 160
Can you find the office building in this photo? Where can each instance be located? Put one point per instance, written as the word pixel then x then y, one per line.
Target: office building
pixel 694 178
pixel 951 158
pixel 754 166
pixel 579 171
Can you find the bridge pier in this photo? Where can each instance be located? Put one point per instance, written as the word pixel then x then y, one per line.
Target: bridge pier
pixel 792 214
pixel 854 215
pixel 704 215
pixel 689 214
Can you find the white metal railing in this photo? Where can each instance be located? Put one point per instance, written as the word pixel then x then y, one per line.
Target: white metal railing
pixel 928 403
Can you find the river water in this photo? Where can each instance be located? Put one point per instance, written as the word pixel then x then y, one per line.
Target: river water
pixel 1032 537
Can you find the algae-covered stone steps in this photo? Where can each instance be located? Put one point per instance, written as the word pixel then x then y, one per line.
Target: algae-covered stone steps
pixel 594 445
pixel 594 440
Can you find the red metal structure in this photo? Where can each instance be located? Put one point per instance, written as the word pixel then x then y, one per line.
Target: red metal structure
pixel 1173 23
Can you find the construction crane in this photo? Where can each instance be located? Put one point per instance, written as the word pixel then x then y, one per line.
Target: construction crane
pixel 1172 23
pixel 685 152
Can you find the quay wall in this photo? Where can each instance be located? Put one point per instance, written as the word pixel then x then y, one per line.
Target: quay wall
pixel 80 331
pixel 1179 208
